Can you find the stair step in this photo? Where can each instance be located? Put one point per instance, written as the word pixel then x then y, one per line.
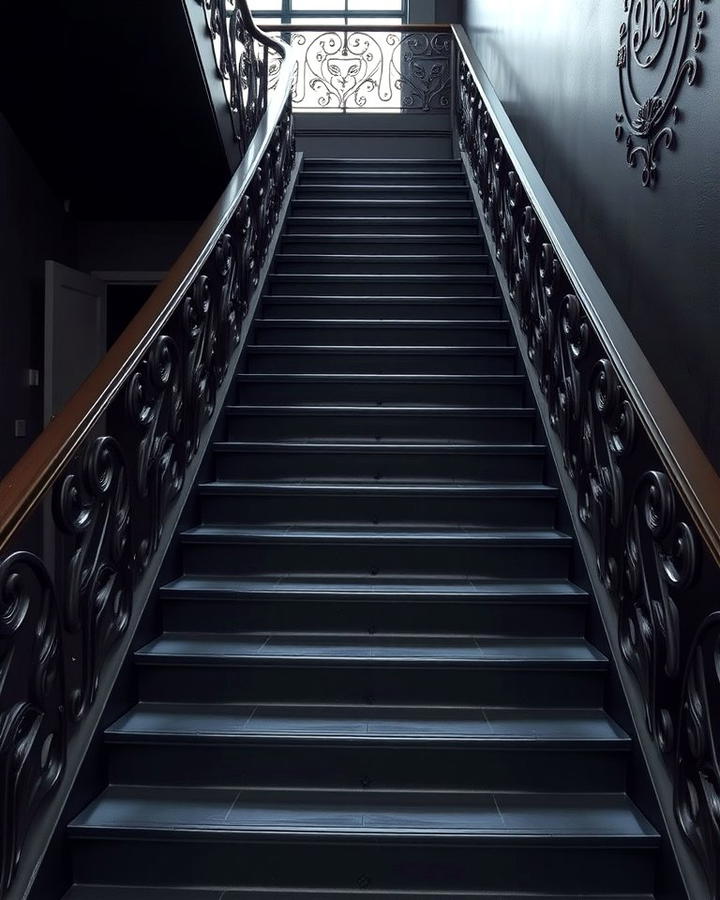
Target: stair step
pixel 369 188
pixel 510 607
pixel 330 838
pixel 113 892
pixel 340 223
pixel 397 462
pixel 406 285
pixel 397 748
pixel 425 425
pixel 329 306
pixel 362 263
pixel 363 724
pixel 311 164
pixel 352 359
pixel 383 244
pixel 381 208
pixel 386 176
pixel 409 390
pixel 541 553
pixel 228 502
pixel 379 332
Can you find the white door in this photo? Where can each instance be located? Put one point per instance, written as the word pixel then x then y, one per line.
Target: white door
pixel 75 332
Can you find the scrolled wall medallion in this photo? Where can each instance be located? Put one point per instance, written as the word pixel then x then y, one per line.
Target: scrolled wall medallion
pixel 659 45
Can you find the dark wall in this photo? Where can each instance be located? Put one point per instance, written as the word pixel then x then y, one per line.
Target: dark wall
pixel 33 227
pixel 656 250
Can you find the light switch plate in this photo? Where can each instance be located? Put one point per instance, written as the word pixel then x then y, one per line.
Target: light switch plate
pixel 20 428
pixel 32 377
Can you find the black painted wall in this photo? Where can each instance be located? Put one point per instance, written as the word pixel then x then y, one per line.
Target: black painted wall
pixel 33 227
pixel 554 67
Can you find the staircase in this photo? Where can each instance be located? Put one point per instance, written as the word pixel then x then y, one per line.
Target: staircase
pixel 373 678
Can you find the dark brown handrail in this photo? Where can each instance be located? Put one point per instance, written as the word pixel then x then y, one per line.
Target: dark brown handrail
pixel 23 487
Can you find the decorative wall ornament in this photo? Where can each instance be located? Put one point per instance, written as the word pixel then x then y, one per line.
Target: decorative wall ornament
pixel 648 555
pixel 364 70
pixel 659 45
pixel 111 503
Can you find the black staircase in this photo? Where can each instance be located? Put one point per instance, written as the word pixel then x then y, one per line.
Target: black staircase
pixel 373 676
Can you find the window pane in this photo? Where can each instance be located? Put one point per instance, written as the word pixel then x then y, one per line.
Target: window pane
pixel 263 6
pixel 373 21
pixel 319 5
pixel 266 22
pixel 376 5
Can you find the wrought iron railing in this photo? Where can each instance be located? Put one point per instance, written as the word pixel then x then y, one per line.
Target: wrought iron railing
pixel 370 68
pixel 646 497
pixel 243 54
pixel 115 463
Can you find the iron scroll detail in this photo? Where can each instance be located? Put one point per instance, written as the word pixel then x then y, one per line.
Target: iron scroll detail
pixel 659 45
pixel 649 557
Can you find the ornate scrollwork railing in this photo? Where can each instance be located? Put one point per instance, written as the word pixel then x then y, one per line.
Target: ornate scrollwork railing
pixel 112 464
pixel 348 68
pixel 651 508
pixel 245 56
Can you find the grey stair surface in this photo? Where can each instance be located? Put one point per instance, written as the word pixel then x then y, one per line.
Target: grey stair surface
pixel 372 678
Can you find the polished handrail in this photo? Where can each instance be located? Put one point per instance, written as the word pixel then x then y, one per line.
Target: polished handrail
pixel 23 487
pixel 693 475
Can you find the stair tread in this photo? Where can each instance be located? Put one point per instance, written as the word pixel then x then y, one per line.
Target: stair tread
pixel 195 720
pixel 112 892
pixel 390 277
pixel 385 410
pixel 492 489
pixel 369 257
pixel 388 446
pixel 341 378
pixel 336 649
pixel 177 811
pixel 408 349
pixel 381 586
pixel 500 324
pixel 363 533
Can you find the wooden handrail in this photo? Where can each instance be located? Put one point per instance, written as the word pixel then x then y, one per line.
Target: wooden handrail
pixel 23 487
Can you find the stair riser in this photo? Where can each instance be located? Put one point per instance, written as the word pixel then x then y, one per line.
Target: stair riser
pixel 392 426
pixel 314 508
pixel 384 245
pixel 379 335
pixel 365 465
pixel 515 618
pixel 345 265
pixel 315 164
pixel 345 392
pixel 381 362
pixel 377 684
pixel 498 560
pixel 405 286
pixel 419 177
pixel 369 189
pixel 405 766
pixel 323 224
pixel 381 865
pixel 381 208
pixel 328 307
